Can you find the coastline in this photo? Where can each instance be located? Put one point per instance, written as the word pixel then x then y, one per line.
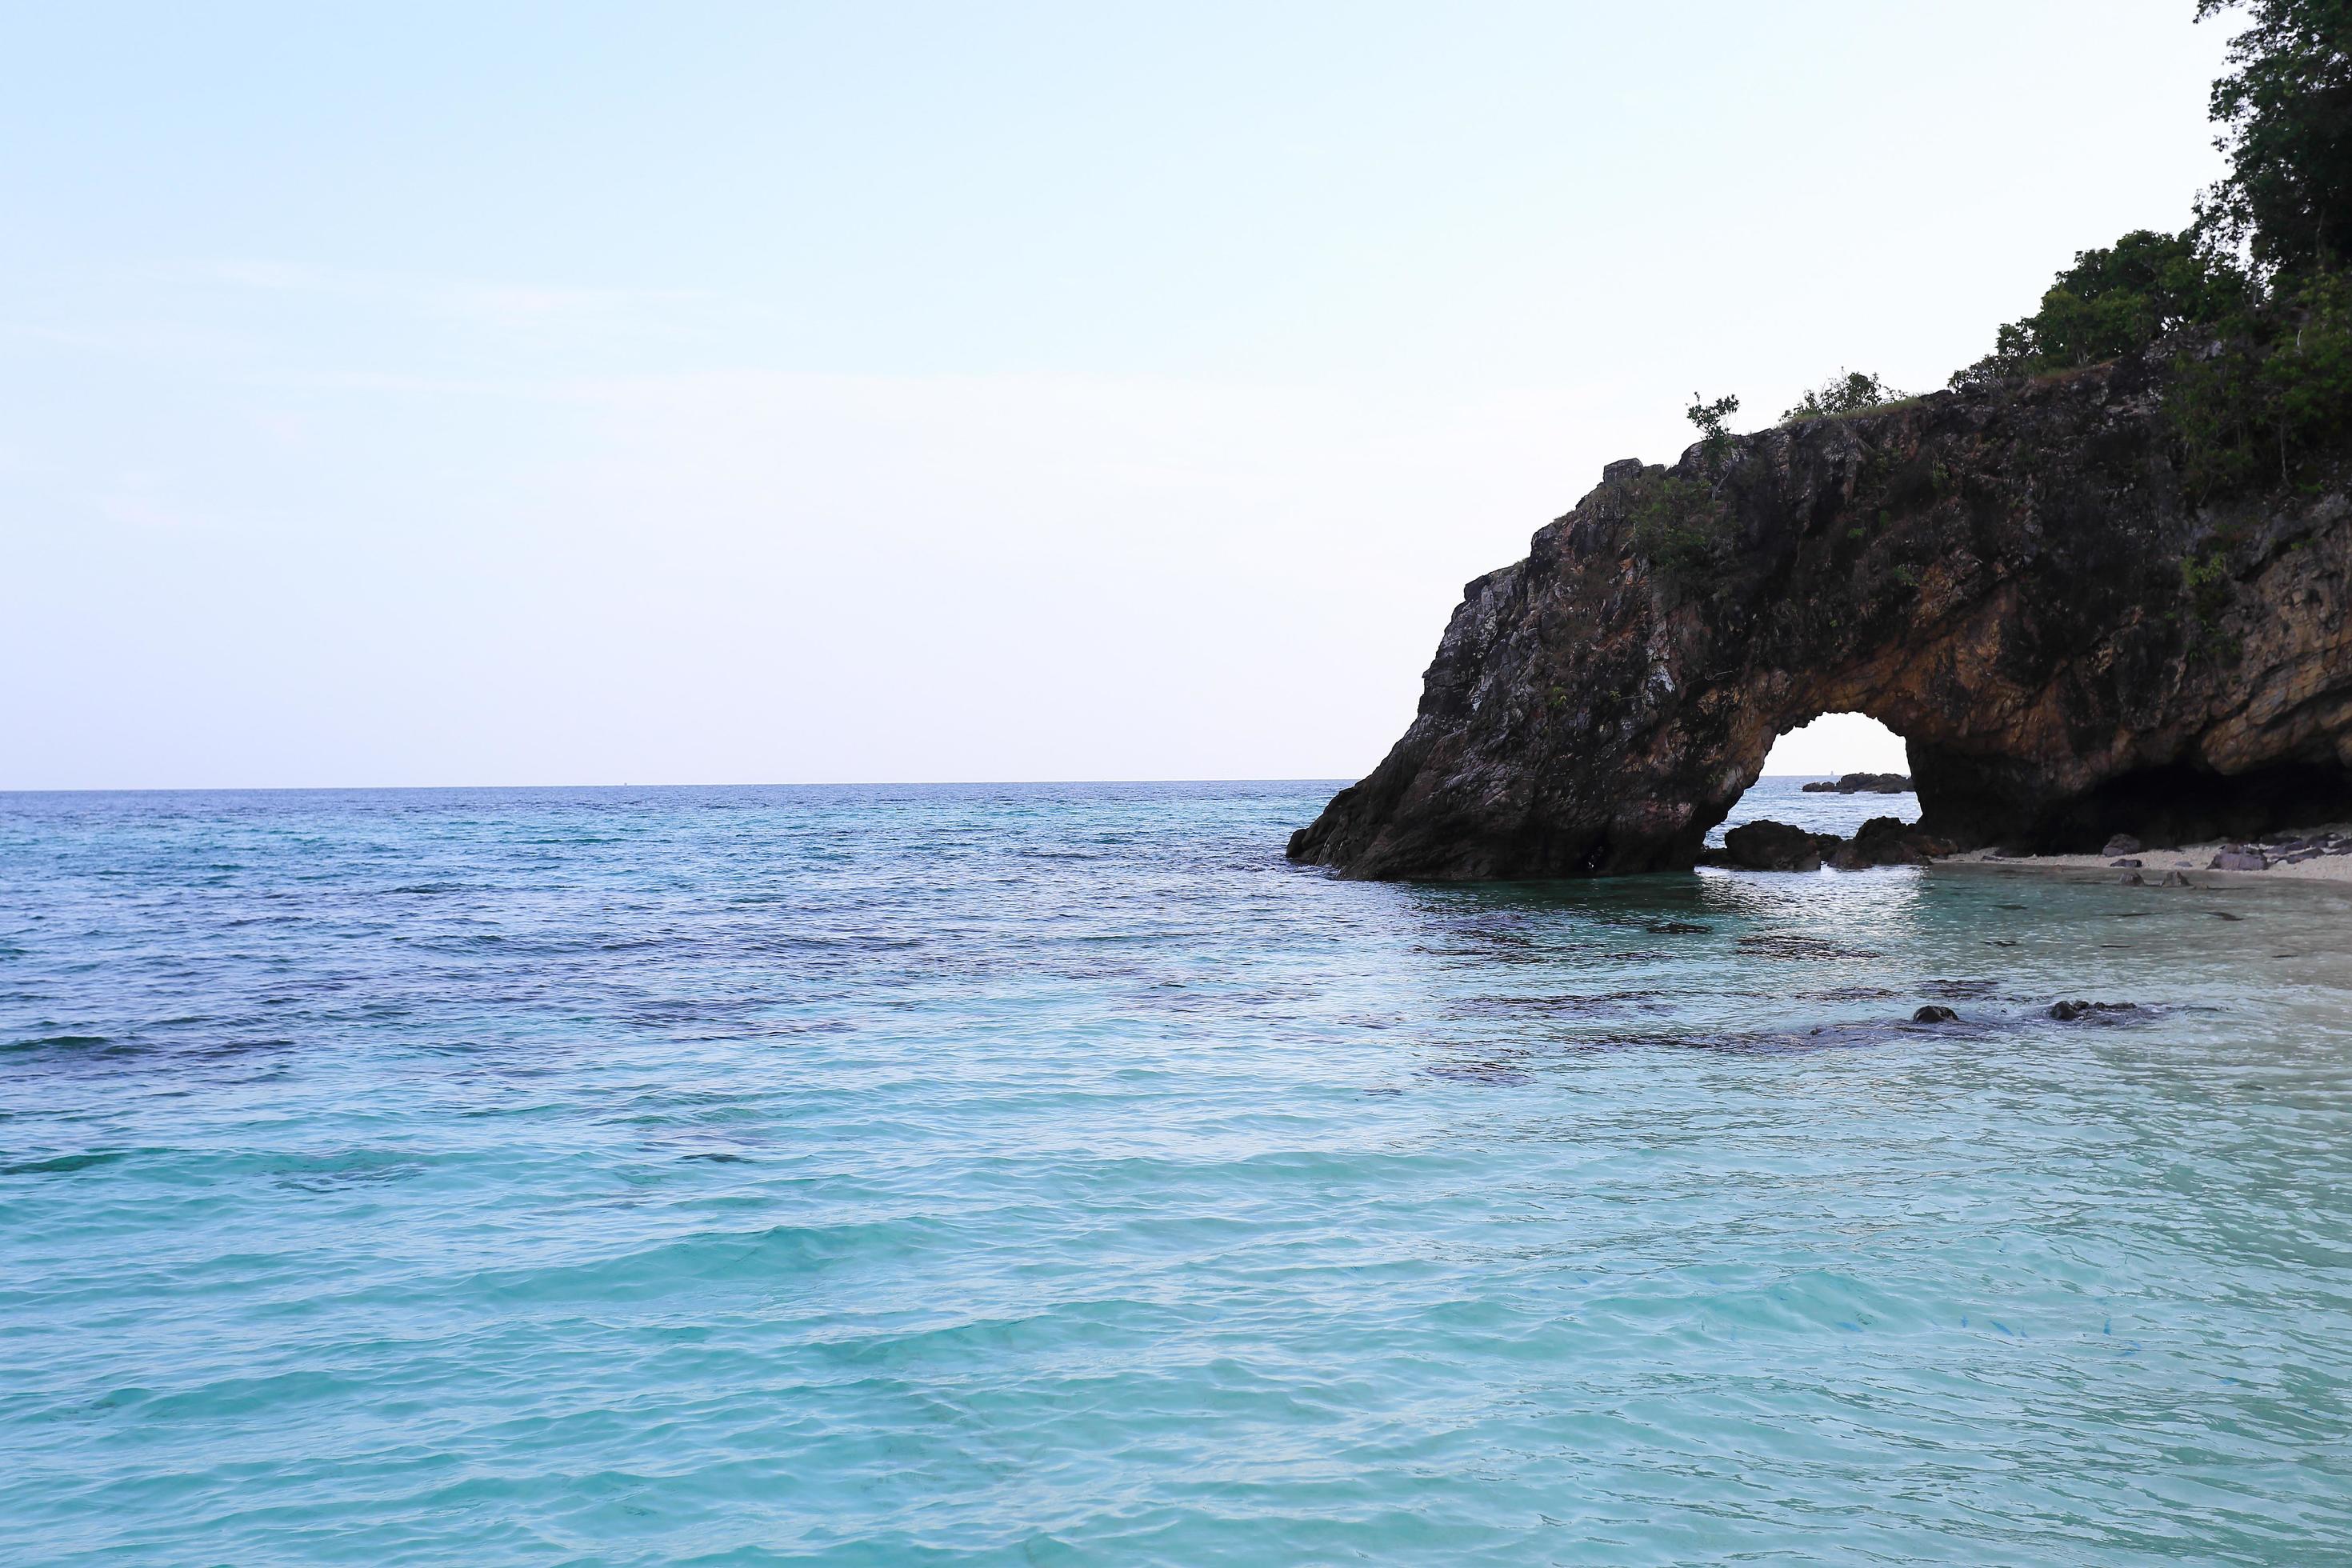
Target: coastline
pixel 2191 860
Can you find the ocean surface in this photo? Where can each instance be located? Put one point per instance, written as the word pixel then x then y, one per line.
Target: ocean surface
pixel 1052 1174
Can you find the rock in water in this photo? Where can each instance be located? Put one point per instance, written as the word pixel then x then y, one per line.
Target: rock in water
pixel 1888 841
pixel 1999 574
pixel 1932 1014
pixel 1773 847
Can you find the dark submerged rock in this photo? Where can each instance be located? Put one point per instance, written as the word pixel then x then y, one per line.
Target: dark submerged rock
pixel 1996 573
pixel 2068 1012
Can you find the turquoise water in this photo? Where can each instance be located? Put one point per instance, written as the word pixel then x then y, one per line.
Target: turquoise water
pixel 1052 1174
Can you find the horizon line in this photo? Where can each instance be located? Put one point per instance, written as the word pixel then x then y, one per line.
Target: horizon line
pixel 816 784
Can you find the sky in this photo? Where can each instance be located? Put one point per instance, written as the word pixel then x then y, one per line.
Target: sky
pixel 774 393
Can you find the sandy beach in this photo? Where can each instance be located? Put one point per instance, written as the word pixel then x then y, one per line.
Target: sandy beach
pixel 2193 860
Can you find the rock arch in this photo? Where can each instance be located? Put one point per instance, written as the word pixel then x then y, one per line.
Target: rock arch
pixel 2012 580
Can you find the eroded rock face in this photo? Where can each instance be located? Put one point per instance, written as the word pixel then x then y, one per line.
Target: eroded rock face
pixel 2012 580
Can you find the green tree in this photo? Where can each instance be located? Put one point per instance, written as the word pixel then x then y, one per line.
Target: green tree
pixel 1714 423
pixel 2286 110
pixel 2273 384
pixel 2116 301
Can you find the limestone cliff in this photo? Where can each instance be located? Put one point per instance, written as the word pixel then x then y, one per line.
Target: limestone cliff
pixel 2013 579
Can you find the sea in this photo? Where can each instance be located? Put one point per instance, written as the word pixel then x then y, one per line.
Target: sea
pixel 1051 1174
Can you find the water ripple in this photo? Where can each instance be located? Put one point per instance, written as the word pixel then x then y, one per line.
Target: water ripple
pixel 1051 1175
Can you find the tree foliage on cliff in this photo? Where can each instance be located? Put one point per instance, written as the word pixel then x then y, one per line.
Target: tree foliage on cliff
pixel 1713 421
pixel 1680 525
pixel 2250 300
pixel 1848 392
pixel 2116 300
pixel 1682 528
pixel 2286 113
pixel 2273 384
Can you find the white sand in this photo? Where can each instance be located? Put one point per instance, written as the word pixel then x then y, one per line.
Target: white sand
pixel 2192 859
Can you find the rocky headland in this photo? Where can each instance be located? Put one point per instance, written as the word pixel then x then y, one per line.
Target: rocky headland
pixel 2022 579
pixel 1860 784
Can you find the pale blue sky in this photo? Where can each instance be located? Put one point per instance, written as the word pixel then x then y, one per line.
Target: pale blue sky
pixel 780 393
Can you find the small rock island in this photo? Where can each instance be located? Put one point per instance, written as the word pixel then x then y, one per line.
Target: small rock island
pixel 1860 784
pixel 2035 580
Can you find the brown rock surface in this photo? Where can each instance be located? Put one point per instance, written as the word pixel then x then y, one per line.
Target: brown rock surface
pixel 1773 847
pixel 2011 578
pixel 1888 841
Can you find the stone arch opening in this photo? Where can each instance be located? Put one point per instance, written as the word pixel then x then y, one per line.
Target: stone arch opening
pixel 1832 789
pixel 1832 745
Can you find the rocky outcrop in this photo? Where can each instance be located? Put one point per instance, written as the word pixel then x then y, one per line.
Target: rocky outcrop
pixel 2012 579
pixel 1774 847
pixel 1889 841
pixel 1860 784
pixel 1778 847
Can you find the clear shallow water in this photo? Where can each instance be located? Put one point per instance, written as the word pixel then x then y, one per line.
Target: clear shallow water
pixel 1039 1174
